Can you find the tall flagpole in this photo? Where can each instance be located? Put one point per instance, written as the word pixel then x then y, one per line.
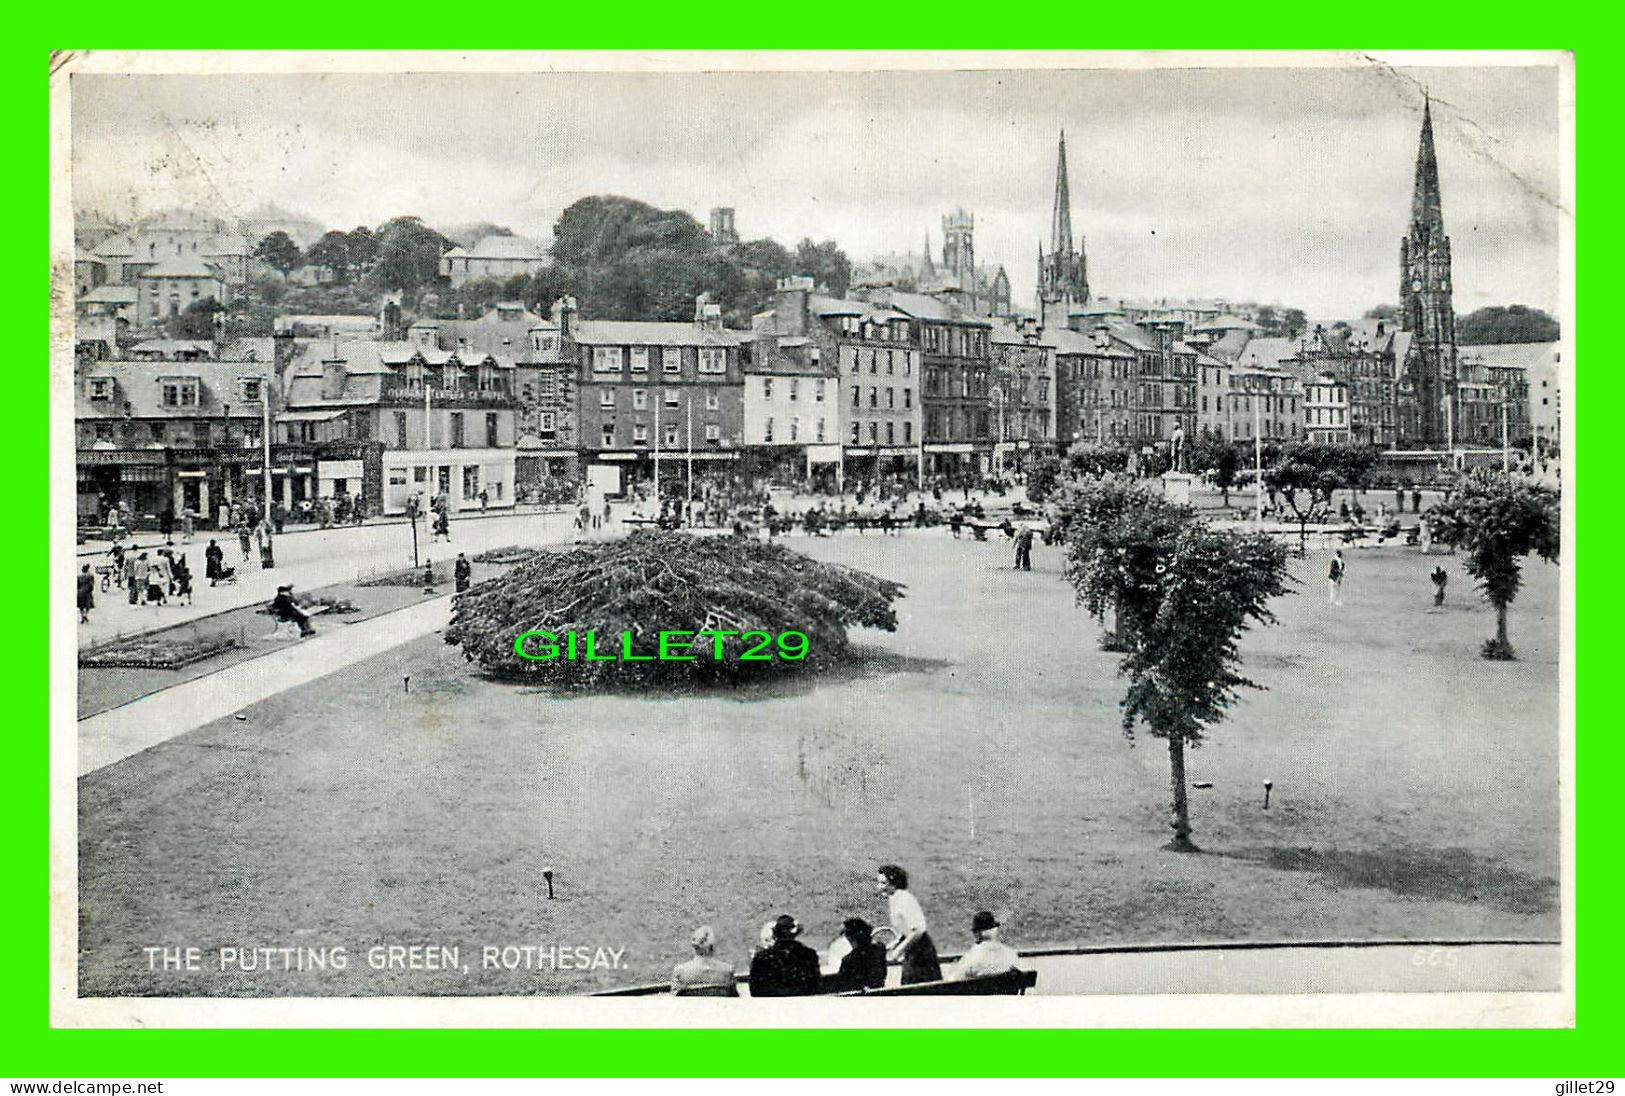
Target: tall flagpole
pixel 1258 461
pixel 660 395
pixel 690 437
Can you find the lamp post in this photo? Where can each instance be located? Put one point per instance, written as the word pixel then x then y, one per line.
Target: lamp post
pixel 998 448
pixel 1258 462
pixel 660 395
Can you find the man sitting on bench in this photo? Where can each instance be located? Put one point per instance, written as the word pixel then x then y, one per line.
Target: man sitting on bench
pixel 989 955
pixel 286 611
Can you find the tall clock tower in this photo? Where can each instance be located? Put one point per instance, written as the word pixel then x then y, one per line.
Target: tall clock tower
pixel 1425 309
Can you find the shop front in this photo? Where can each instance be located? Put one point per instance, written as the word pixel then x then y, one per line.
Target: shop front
pixel 461 476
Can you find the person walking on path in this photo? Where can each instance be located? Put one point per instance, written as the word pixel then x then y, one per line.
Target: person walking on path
pixel 214 563
pixel 188 525
pixel 1334 578
pixel 484 500
pixel 134 578
pixel 166 522
pixel 1024 548
pixel 1440 577
pixel 913 947
pixel 1399 500
pixel 607 511
pixel 243 537
pixel 116 555
pixel 157 580
pixel 1416 499
pixel 182 576
pixel 462 570
pixel 87 593
pixel 442 525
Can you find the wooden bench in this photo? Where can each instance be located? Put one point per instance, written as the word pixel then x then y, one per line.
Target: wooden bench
pixel 289 629
pixel 1012 983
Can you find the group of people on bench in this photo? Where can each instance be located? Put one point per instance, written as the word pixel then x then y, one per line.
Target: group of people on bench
pixel 785 967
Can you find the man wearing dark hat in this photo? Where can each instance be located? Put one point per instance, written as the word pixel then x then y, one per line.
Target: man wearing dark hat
pixel 864 967
pixel 787 969
pixel 989 955
pixel 284 608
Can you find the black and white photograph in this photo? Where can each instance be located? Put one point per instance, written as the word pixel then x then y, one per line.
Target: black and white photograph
pixel 1076 539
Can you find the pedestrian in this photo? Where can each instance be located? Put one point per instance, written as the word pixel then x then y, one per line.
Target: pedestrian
pixel 166 522
pixel 1343 510
pixel 704 975
pixel 913 946
pixel 214 563
pixel 1334 578
pixel 606 511
pixel 1024 548
pixel 86 593
pixel 989 955
pixel 135 579
pixel 1359 514
pixel 157 580
pixel 358 509
pixel 279 516
pixel 181 580
pixel 284 608
pixel 1399 500
pixel 1440 577
pixel 462 570
pixel 188 525
pixel 116 554
pixel 955 521
pixel 788 968
pixel 1416 499
pixel 484 500
pixel 442 525
pixel 243 536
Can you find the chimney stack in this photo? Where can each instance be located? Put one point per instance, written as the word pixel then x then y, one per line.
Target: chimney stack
pixel 562 312
pixel 793 306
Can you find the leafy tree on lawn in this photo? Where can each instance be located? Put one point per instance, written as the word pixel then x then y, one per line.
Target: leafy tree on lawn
pixel 1294 322
pixel 1094 459
pixel 1195 590
pixel 279 252
pixel 1213 452
pixel 1104 524
pixel 1511 324
pixel 332 252
pixel 1495 520
pixel 1043 478
pixel 362 246
pixel 1307 473
pixel 826 264
pixel 408 254
pixel 1382 312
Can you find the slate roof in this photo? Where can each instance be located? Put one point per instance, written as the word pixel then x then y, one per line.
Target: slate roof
pixel 180 267
pixel 649 333
pixel 140 383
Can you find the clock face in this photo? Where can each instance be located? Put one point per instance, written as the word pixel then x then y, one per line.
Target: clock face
pixel 1445 284
pixel 1416 284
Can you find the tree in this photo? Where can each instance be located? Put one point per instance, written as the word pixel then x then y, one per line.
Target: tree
pixel 1496 520
pixel 1510 324
pixel 1094 459
pixel 1306 474
pixel 408 254
pixel 196 322
pixel 1101 521
pixel 1294 322
pixel 279 252
pixel 826 264
pixel 1382 312
pixel 1043 478
pixel 1197 590
pixel 652 583
pixel 332 252
pixel 362 246
pixel 1213 452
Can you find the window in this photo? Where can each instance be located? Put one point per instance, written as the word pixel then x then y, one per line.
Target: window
pixel 101 388
pixel 855 437
pixel 549 422
pixel 908 433
pixel 671 359
pixel 767 429
pixel 713 359
pixel 546 386
pixel 820 392
pixel 640 400
pixel 609 435
pixel 606 359
pixel 767 388
pixel 872 365
pixel 908 399
pixel 606 398
pixel 180 393
pixel 891 429
pixel 251 391
pixel 874 397
pixel 795 428
pixel 891 398
pixel 671 435
pixel 471 482
pixel 857 396
pixel 713 432
pixel 889 363
pixel 640 359
pixel 713 402
pixel 874 433
pixel 457 439
pixel 820 430
pixel 640 434
pixel 400 429
pixel 794 387
pixel 104 431
pixel 671 397
pixel 854 359
pixel 156 431
pixel 490 429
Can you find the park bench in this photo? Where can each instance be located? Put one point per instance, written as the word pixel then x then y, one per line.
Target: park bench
pixel 289 629
pixel 1011 983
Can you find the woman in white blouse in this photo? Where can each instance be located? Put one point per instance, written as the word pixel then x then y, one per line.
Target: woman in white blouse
pixel 913 946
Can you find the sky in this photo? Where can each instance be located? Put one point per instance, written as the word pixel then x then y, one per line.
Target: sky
pixel 1287 185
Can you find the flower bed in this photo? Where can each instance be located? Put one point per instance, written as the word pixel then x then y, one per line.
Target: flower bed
pixel 158 652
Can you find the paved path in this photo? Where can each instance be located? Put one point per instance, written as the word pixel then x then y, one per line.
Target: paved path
pixel 312 559
pixel 141 724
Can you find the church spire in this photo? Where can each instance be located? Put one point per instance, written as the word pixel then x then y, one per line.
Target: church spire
pixel 1060 232
pixel 1427 211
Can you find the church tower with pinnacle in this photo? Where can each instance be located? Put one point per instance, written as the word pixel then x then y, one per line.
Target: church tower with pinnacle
pixel 1425 309
pixel 1063 273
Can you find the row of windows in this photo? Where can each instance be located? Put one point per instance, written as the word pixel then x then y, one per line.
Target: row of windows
pixel 793 388
pixel 895 331
pixel 457 435
pixel 201 433
pixel 963 341
pixel 640 399
pixel 669 439
pixel 795 429
pixel 874 397
pixel 874 432
pixel 610 359
pixel 890 359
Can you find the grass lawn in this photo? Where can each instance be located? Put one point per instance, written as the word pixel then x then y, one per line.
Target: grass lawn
pixel 980 746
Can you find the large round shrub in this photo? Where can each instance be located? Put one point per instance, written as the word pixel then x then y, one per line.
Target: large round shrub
pixel 653 582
